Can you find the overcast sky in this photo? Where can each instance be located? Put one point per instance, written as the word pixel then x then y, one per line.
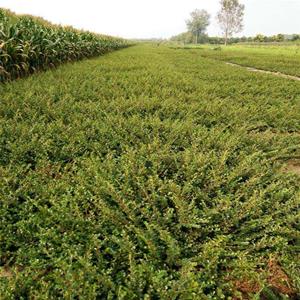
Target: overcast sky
pixel 157 18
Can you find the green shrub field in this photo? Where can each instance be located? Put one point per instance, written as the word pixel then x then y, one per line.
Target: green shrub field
pixel 28 44
pixel 149 173
pixel 284 59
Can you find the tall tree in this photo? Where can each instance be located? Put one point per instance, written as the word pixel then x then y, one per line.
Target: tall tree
pixel 198 23
pixel 230 17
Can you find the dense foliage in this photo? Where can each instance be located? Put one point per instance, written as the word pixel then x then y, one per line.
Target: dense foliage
pixel 28 44
pixel 149 173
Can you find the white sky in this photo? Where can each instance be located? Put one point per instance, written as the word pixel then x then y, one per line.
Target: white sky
pixel 157 18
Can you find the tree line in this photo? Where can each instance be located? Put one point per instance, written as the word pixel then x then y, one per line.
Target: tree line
pixel 230 19
pixel 188 38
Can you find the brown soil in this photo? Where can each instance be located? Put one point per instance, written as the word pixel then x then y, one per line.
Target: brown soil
pixel 292 166
pixel 5 273
pixel 247 287
pixel 277 280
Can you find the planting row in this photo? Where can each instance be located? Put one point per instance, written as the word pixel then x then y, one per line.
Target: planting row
pixel 28 44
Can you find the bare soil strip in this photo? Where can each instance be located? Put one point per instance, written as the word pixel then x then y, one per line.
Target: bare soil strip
pixel 265 71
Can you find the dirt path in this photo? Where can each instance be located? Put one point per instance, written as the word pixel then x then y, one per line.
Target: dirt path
pixel 252 69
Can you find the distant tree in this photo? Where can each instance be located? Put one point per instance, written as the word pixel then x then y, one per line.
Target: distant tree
pixel 215 40
pixel 296 37
pixel 198 23
pixel 259 38
pixel 184 38
pixel 280 38
pixel 230 17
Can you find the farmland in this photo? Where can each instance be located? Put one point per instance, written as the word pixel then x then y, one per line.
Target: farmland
pixel 149 173
pixel 283 58
pixel 29 44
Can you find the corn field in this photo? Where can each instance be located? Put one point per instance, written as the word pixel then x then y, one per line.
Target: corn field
pixel 28 44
